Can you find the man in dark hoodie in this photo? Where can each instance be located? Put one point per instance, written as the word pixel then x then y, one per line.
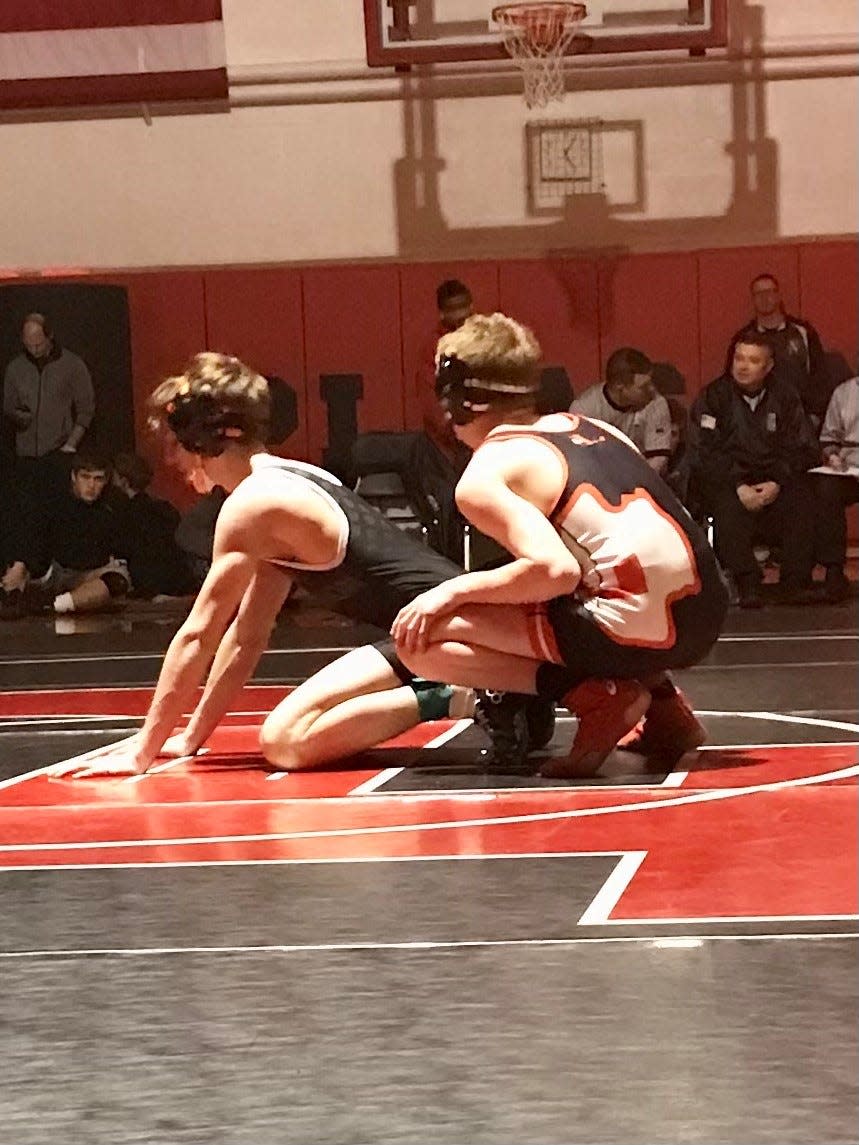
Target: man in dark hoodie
pixel 751 445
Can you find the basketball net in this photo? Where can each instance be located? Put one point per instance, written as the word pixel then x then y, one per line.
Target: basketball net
pixel 537 37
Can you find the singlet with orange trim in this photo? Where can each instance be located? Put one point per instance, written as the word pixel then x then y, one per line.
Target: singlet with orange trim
pixel 646 550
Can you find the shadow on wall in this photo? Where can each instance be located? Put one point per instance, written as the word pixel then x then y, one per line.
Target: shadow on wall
pixel 751 216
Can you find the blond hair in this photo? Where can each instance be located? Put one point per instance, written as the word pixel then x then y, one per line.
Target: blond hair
pixel 494 345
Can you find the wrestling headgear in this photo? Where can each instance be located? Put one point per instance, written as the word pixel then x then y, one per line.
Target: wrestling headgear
pixel 201 424
pixel 466 391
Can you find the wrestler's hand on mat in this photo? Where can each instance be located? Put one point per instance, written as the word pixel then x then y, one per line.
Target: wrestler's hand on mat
pixel 124 760
pixel 178 746
pixel 412 626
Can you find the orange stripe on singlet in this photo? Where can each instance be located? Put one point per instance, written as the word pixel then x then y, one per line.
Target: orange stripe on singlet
pixel 541 635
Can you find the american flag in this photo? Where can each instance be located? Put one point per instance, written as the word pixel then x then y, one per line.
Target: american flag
pixel 87 53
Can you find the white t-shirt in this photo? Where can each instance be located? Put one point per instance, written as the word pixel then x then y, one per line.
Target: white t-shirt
pixel 841 425
pixel 649 429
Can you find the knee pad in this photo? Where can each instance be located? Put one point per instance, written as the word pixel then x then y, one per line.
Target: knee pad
pixel 115 583
pixel 433 699
pixel 387 648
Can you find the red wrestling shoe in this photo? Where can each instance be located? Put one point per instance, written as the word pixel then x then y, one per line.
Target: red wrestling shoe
pixel 670 729
pixel 607 710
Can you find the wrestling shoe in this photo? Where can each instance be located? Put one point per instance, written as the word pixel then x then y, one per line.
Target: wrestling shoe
pixel 607 710
pixel 502 716
pixel 540 716
pixel 670 729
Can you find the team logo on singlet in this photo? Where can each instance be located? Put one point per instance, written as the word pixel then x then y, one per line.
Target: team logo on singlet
pixel 643 559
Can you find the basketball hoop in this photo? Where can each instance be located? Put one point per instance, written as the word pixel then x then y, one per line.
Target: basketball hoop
pixel 537 36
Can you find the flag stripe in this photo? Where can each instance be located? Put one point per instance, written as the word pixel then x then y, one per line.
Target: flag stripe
pixel 95 91
pixel 111 51
pixel 55 15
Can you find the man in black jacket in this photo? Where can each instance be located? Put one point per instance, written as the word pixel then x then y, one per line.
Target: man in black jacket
pixel 751 445
pixel 798 356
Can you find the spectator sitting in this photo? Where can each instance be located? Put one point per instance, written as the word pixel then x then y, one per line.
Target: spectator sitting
pixel 629 402
pixel 147 528
pixel 839 441
pixel 73 566
pixel 798 357
pixel 751 444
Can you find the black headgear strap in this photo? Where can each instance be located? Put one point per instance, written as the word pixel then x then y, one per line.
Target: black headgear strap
pixel 201 425
pixel 466 391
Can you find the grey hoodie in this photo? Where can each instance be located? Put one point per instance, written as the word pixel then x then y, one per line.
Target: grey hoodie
pixel 45 401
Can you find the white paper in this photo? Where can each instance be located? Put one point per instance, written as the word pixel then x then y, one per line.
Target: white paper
pixel 852 471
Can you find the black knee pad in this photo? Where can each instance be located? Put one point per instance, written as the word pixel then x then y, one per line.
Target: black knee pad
pixel 115 583
pixel 389 651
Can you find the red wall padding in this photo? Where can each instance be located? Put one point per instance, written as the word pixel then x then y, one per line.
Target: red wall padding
pixel 651 302
pixel 379 320
pixel 558 299
pixel 352 326
pixel 829 297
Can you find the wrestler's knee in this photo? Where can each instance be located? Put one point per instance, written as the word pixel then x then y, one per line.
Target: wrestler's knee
pixel 413 660
pixel 280 741
pixel 461 625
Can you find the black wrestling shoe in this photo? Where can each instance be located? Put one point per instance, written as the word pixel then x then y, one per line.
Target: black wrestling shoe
pixel 502 715
pixel 540 714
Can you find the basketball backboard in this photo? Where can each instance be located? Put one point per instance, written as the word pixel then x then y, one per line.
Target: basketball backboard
pixel 403 32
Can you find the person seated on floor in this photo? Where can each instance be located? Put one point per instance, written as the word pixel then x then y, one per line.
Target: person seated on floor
pixel 835 490
pixel 147 527
pixel 283 520
pixel 751 445
pixel 74 566
pixel 629 402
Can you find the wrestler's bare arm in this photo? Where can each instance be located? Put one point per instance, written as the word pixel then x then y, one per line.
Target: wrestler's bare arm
pixel 238 654
pixel 503 495
pixel 507 492
pixel 276 521
pixel 195 644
